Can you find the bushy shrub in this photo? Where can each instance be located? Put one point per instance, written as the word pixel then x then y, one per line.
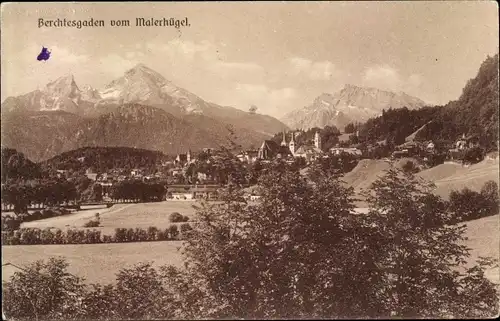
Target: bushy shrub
pixel 10 223
pixel 490 192
pixel 185 228
pixel 152 233
pixel 176 217
pixel 466 205
pixel 31 236
pixel 410 167
pixel 108 205
pixel 473 155
pixel 120 235
pixel 108 239
pixel 92 223
pixel 173 231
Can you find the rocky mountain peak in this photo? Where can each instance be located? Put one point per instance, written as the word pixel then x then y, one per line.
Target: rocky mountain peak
pixel 351 103
pixel 142 72
pixel 63 85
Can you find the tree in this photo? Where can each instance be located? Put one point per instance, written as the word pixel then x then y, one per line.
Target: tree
pixel 473 155
pixel 43 290
pixel 141 294
pixel 410 167
pixel 349 128
pixel 300 252
pixel 422 247
pixel 490 192
pixel 291 254
pixel 252 109
pixel 97 192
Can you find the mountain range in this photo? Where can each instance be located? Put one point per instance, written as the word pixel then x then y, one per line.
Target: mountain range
pixel 140 109
pixel 349 105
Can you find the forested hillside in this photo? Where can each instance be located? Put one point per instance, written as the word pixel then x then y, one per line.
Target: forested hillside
pixel 474 113
pixel 104 158
pixel 16 166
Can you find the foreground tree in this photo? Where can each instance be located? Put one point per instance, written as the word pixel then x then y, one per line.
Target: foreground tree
pixel 421 255
pixel 43 291
pixel 299 253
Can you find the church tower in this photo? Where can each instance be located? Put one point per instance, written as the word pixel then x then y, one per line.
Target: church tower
pixel 283 142
pixel 291 145
pixel 317 140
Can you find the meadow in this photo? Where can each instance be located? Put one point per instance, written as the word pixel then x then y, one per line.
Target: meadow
pixel 100 262
pixel 140 215
pixel 95 262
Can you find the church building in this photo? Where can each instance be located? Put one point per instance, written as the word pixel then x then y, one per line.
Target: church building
pixel 269 149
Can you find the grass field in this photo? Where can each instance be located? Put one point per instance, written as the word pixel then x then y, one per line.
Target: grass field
pixel 472 177
pixel 100 262
pixel 96 262
pixel 484 240
pixel 141 215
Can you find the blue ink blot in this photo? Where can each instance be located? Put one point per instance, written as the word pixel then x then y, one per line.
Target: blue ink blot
pixel 44 55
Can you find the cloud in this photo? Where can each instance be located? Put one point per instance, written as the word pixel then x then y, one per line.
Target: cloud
pixel 177 49
pixel 389 78
pixel 268 100
pixel 66 56
pixel 382 77
pixel 59 55
pixel 131 55
pixel 115 65
pixel 207 57
pixel 319 70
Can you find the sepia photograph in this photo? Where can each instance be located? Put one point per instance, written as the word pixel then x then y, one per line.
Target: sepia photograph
pixel 250 160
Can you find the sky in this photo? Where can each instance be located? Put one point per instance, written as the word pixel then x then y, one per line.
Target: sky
pixel 278 56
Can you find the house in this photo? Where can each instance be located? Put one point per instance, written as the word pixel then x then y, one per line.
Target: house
pixel 309 152
pixel 406 149
pixel 466 142
pixel 91 174
pixel 456 154
pixel 202 176
pixel 183 159
pixel 179 192
pixel 462 144
pixel 208 150
pixel 208 192
pixel 190 192
pixel 430 146
pixel 252 193
pixel 167 163
pixel 61 173
pixel 248 156
pixel 106 188
pixel 136 172
pixel 103 177
pixel 346 150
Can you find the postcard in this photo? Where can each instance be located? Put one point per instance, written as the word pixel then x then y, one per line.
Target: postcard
pixel 250 160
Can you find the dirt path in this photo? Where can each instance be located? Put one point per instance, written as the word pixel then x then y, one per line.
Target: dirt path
pixel 76 219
